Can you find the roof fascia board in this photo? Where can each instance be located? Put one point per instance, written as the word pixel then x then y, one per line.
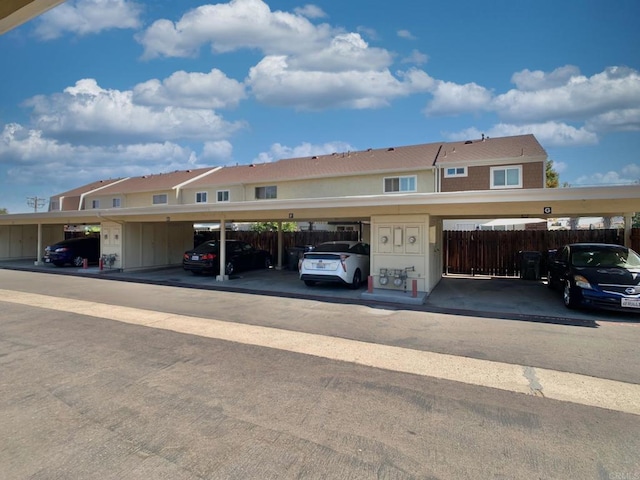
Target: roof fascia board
pixel 197 177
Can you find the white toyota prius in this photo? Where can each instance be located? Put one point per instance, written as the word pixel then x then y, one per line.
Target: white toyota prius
pixel 345 262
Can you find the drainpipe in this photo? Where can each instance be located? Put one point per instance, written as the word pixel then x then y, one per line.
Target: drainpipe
pixel 280 242
pixel 628 223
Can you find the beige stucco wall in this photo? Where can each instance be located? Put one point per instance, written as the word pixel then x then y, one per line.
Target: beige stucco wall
pixel 316 188
pixel 19 242
pixel 399 242
pixel 147 245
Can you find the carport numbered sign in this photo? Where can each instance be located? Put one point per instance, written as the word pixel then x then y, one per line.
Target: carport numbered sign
pixel 547 210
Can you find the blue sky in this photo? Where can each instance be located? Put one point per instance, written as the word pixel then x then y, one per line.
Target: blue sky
pixel 98 89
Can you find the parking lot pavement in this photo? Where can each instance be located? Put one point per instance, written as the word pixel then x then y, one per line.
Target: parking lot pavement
pixel 483 296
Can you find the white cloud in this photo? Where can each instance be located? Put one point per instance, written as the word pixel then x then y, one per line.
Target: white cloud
pixel 579 97
pixel 84 17
pixel 310 11
pixel 550 134
pixel 273 82
pixel 452 98
pixel 231 26
pixel 88 112
pixel 279 151
pixel 529 81
pixel 624 119
pixel 345 52
pixel 416 57
pixel 628 175
pixel 39 160
pixel 220 150
pixel 406 34
pixel 191 90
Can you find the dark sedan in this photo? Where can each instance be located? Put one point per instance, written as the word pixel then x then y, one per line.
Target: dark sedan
pixel 596 275
pixel 205 258
pixel 73 251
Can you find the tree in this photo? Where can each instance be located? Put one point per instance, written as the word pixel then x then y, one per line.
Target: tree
pixel 552 177
pixel 635 222
pixel 3 211
pixel 273 227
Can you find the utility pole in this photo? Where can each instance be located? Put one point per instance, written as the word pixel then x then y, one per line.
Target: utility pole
pixel 36 203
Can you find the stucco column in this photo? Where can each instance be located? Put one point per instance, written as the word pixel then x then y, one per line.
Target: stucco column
pixel 39 247
pixel 628 223
pixel 223 251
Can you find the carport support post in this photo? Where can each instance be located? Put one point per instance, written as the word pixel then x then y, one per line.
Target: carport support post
pixel 628 223
pixel 39 246
pixel 280 237
pixel 223 251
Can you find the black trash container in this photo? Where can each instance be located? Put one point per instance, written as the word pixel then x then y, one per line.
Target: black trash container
pixel 294 254
pixel 530 265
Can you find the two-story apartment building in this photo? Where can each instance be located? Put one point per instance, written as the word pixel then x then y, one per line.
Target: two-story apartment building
pixel 399 193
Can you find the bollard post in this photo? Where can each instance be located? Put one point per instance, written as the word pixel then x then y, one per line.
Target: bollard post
pixel 101 264
pixel 414 288
pixel 85 263
pixel 370 284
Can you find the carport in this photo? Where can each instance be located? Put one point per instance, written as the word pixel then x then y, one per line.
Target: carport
pixel 156 236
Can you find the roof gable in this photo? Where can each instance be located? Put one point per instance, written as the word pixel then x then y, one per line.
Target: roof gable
pixel 489 149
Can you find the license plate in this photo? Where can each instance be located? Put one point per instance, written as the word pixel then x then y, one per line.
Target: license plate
pixel 47 260
pixel 195 257
pixel 319 265
pixel 631 302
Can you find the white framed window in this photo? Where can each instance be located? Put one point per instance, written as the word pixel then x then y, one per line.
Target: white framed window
pixel 506 177
pixel 400 184
pixel 455 172
pixel 201 197
pixel 95 203
pixel 115 203
pixel 222 195
pixel 160 199
pixel 263 193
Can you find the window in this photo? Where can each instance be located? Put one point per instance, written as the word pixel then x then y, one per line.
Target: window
pixel 506 177
pixel 223 195
pixel 399 184
pixel 115 203
pixel 160 199
pixel 95 203
pixel 455 172
pixel 266 192
pixel 201 197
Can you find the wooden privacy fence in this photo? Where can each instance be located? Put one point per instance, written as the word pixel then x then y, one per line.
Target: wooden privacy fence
pixel 498 253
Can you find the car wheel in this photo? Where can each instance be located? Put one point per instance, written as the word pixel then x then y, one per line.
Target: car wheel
pixel 229 269
pixel 309 283
pixel 357 280
pixel 569 296
pixel 78 261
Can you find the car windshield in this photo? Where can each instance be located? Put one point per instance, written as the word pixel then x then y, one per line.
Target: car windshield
pixel 332 247
pixel 606 257
pixel 206 247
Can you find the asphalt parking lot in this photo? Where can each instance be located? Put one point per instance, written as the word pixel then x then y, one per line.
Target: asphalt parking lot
pixel 482 296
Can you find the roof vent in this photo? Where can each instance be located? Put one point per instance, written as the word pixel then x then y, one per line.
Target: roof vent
pixel 369 149
pixel 315 157
pixel 391 149
pixel 468 142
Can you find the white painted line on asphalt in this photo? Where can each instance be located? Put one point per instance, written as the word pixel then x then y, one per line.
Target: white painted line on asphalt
pixel 564 386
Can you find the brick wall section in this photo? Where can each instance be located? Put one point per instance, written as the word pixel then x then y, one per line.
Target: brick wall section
pixel 478 178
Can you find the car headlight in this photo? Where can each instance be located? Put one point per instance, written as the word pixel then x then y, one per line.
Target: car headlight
pixel 582 282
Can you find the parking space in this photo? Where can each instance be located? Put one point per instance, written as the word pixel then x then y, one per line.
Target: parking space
pixel 496 297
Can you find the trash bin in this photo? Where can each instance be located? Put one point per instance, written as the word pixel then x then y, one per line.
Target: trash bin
pixel 294 254
pixel 530 265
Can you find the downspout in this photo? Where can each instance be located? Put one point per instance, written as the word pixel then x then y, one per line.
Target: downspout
pixel 222 250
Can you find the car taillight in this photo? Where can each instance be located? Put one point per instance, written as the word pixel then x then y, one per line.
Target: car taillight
pixel 61 249
pixel 343 259
pixel 186 256
pixel 209 256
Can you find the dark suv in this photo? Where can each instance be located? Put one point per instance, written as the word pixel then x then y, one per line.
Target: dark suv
pixel 73 251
